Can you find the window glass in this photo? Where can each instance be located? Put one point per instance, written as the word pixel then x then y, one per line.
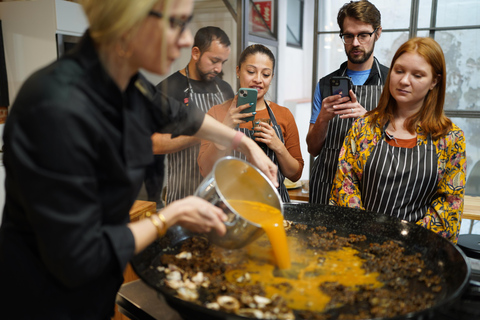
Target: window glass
pixel 331 53
pixel 424 13
pixel 422 33
pixel 471 129
pixel 395 14
pixel 458 13
pixel 462 56
pixel 386 46
pixel 327 15
pixel 294 22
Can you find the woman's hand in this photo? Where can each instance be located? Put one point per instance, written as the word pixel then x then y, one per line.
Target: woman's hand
pixel 234 117
pixel 192 213
pixel 195 214
pixel 266 134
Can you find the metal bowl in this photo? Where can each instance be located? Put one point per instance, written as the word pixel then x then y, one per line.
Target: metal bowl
pixel 235 179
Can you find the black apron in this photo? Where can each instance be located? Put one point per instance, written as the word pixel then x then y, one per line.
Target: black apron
pixel 325 165
pixel 400 182
pixel 282 190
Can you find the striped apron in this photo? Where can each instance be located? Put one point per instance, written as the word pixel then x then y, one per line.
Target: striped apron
pixel 325 165
pixel 183 171
pixel 400 182
pixel 282 190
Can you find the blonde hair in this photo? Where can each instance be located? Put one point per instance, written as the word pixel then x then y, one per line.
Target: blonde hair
pixel 110 20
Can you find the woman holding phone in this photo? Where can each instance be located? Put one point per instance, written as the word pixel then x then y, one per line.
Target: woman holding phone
pixel 406 158
pixel 76 145
pixel 273 127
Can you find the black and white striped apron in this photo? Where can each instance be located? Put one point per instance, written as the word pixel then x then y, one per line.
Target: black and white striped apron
pixel 400 182
pixel 282 190
pixel 325 165
pixel 183 171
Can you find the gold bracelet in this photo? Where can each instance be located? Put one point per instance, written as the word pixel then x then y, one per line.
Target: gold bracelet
pixel 161 229
pixel 162 218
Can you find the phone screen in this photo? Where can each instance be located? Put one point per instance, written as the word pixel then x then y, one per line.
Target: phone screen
pixel 340 85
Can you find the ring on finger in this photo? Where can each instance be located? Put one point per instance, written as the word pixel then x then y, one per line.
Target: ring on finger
pixel 352 110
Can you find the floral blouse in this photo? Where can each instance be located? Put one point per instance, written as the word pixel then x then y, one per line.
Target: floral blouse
pixel 445 212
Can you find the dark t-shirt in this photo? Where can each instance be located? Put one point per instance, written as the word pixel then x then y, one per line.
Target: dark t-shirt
pixel 183 175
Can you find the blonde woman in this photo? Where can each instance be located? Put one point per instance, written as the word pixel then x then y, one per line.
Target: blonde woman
pixel 76 145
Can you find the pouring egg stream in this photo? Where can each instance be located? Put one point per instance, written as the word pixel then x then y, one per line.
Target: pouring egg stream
pixel 271 221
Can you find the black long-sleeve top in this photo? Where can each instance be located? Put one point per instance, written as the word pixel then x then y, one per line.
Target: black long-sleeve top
pixel 75 149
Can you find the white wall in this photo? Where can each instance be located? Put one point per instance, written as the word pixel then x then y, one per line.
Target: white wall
pixel 29 29
pixel 295 65
pixel 295 70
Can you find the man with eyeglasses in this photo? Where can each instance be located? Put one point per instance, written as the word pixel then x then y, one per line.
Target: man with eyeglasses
pixel 332 117
pixel 199 85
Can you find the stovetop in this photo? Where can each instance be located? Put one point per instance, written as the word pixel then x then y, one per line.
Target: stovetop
pixel 468 306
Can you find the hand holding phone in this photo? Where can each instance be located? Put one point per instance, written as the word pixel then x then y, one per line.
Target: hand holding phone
pixel 341 86
pixel 247 96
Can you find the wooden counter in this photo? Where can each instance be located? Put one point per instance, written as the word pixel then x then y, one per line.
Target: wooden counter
pixel 471 208
pixel 140 209
pixel 297 194
pixel 137 212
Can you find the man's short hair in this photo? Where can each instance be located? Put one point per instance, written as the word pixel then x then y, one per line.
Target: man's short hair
pixel 205 36
pixel 361 10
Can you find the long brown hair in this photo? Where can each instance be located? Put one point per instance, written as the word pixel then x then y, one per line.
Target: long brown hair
pixel 431 117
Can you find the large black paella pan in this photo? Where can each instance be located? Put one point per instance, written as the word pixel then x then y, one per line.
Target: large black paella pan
pixel 439 255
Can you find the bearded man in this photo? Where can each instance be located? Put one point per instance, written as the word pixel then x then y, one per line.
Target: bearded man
pixel 332 115
pixel 197 85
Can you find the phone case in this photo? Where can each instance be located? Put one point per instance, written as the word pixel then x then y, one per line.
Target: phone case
pixel 340 85
pixel 247 95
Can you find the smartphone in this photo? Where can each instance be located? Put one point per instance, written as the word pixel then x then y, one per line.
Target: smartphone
pixel 247 95
pixel 340 85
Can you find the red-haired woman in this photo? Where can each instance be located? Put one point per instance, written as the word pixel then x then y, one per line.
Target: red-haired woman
pixel 406 158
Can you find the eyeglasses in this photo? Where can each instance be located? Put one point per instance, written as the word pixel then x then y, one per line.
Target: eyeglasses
pixel 362 37
pixel 174 22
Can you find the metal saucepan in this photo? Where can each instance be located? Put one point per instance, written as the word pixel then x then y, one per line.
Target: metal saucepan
pixel 235 179
pixel 440 255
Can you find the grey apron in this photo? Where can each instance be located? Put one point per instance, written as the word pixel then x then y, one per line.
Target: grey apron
pixel 282 190
pixel 325 165
pixel 400 182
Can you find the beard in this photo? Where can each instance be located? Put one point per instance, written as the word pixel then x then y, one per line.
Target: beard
pixel 363 58
pixel 205 76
